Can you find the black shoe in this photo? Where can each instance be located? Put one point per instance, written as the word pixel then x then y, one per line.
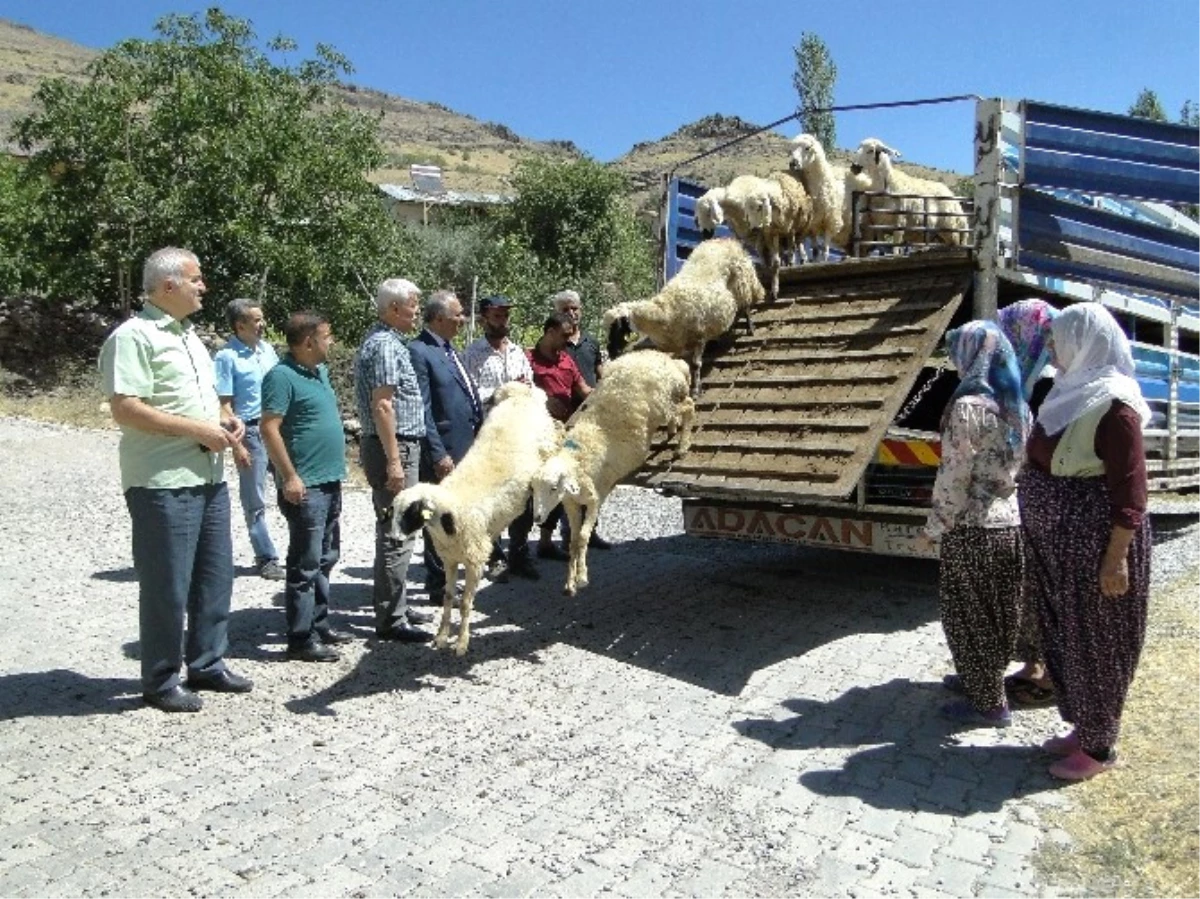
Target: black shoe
pixel 405 633
pixel 331 637
pixel 436 591
pixel 597 542
pixel 523 567
pixel 415 617
pixel 312 651
pixel 176 699
pixel 222 682
pixel 271 570
pixel 550 551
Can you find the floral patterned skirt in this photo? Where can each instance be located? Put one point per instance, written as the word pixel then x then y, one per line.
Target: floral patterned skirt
pixel 980 597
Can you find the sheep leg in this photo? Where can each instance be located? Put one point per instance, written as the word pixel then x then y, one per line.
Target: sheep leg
pixel 474 572
pixel 443 633
pixel 694 365
pixel 591 512
pixel 578 546
pixel 745 314
pixel 687 412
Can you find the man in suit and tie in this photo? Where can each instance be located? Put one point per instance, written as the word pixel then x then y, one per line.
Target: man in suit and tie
pixel 453 411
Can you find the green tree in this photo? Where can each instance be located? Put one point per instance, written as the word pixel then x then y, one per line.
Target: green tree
pixel 1189 114
pixel 200 139
pixel 1147 106
pixel 569 225
pixel 20 269
pixel 814 79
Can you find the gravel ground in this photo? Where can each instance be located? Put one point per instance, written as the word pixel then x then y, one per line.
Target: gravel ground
pixel 706 719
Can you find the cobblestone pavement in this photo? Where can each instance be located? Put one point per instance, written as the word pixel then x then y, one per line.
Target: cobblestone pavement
pixel 705 719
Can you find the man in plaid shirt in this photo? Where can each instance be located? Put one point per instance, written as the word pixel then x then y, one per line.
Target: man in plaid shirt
pixel 392 413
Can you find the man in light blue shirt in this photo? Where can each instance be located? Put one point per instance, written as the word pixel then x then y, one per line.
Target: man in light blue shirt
pixel 240 366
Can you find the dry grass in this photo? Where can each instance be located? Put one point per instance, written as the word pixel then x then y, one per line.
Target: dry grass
pixel 79 402
pixel 1135 831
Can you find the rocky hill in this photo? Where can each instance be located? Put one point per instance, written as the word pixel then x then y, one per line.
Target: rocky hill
pixel 474 155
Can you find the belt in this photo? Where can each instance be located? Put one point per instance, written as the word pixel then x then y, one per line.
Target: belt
pixel 403 437
pixel 251 422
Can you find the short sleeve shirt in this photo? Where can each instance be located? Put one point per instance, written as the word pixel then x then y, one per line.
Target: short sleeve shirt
pixel 240 371
pixel 162 362
pixel 491 368
pixel 587 356
pixel 311 426
pixel 557 378
pixel 383 360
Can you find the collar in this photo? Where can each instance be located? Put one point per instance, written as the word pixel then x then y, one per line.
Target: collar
pixel 161 319
pixel 437 338
pixel 291 362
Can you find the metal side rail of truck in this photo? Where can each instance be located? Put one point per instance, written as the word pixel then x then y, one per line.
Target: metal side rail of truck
pixel 822 427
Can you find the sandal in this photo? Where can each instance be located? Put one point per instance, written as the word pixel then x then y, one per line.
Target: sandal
pixel 1025 693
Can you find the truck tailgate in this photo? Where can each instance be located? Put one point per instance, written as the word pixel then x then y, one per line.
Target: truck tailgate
pixel 797 410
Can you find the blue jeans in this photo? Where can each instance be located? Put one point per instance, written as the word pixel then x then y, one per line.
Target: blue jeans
pixel 183 555
pixel 252 484
pixel 314 545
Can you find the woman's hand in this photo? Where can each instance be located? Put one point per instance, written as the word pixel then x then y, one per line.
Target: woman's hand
pixel 1114 577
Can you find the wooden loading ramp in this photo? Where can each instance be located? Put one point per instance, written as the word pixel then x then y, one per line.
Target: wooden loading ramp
pixel 796 411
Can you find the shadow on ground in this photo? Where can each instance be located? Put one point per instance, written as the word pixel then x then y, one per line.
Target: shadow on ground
pixel 705 613
pixel 919 764
pixel 61 692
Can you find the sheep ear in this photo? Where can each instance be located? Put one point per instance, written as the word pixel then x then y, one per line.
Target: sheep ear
pixel 413 517
pixel 448 523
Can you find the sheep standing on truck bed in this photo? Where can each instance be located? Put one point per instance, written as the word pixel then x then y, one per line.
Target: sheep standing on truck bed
pixel 832 190
pixel 773 214
pixel 607 439
pixel 716 283
pixel 488 489
pixel 945 219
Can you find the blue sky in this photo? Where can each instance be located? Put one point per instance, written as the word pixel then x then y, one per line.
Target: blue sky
pixel 609 74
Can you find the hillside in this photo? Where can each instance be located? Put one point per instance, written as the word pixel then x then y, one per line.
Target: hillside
pixel 474 155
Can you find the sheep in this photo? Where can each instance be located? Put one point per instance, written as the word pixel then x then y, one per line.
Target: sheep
pixel 946 218
pixel 702 301
pixel 832 190
pixel 772 213
pixel 709 215
pixel 607 439
pixel 482 495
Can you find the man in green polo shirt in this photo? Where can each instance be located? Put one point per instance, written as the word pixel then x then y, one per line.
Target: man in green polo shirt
pixel 302 430
pixel 159 381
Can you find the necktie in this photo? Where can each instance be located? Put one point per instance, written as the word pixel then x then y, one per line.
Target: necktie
pixel 462 374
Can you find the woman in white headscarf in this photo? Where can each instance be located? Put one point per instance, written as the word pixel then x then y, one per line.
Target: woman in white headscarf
pixel 1083 509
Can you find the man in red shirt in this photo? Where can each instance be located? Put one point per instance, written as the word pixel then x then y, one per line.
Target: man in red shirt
pixel 555 372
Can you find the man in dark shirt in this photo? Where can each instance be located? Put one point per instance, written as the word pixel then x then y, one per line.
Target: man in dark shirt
pixel 581 347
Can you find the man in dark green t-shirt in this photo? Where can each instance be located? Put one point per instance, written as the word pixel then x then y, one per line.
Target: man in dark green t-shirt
pixel 302 430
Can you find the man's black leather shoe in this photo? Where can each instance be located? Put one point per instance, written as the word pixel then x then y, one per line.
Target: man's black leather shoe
pixel 312 651
pixel 415 617
pixel 221 682
pixel 597 542
pixel 331 637
pixel 176 699
pixel 406 633
pixel 522 567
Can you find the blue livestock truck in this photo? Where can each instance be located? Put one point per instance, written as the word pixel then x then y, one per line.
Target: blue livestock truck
pixel 821 427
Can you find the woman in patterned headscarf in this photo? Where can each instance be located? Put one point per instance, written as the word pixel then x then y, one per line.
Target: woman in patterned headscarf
pixel 974 512
pixel 1083 508
pixel 1026 324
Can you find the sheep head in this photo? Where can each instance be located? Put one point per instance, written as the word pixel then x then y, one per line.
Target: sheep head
pixel 554 480
pixel 709 214
pixel 419 506
pixel 875 158
pixel 758 208
pixel 619 328
pixel 808 151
